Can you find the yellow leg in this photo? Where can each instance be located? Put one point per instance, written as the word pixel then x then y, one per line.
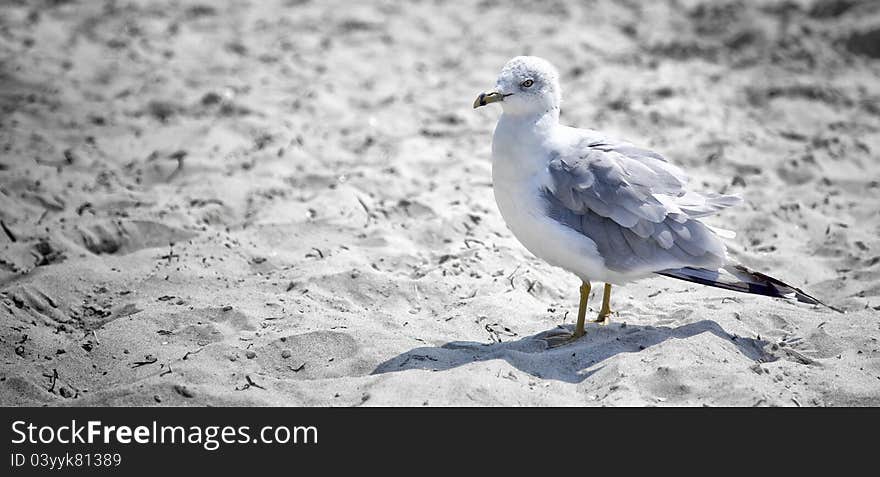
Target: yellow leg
pixel 582 311
pixel 605 313
pixel 561 339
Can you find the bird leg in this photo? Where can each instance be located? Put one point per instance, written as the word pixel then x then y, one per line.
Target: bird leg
pixel 582 311
pixel 560 339
pixel 605 313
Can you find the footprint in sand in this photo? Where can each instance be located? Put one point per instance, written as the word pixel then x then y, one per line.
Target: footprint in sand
pixel 210 325
pixel 313 355
pixel 122 237
pixel 36 303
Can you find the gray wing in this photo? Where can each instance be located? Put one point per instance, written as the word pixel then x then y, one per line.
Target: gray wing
pixel 635 206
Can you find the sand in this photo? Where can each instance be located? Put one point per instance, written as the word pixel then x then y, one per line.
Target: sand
pixel 290 203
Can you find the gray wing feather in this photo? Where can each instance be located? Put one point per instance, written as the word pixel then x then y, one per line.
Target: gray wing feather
pixel 679 229
pixel 642 248
pixel 665 236
pixel 635 206
pixel 644 228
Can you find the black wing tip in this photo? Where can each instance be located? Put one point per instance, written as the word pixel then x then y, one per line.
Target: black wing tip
pixel 811 300
pixel 804 298
pixel 833 308
pixel 762 285
pixel 799 294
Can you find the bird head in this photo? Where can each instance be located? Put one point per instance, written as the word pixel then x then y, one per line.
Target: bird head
pixel 526 85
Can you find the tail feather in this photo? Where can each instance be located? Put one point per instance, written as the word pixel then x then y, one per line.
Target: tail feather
pixel 741 279
pixel 696 204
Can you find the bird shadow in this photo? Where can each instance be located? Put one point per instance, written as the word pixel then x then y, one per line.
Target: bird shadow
pixel 571 363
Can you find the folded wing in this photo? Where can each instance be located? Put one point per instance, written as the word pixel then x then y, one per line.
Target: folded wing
pixel 635 206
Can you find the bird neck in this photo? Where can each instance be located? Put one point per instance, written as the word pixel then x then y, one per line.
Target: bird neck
pixel 536 122
pixel 516 145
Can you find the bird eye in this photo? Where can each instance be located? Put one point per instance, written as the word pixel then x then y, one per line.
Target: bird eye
pixel 527 83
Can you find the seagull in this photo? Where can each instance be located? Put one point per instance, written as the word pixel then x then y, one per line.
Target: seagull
pixel 603 209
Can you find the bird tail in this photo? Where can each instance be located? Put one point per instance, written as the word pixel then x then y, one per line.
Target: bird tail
pixel 741 279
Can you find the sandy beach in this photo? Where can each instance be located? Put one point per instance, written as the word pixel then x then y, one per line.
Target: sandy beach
pixel 290 203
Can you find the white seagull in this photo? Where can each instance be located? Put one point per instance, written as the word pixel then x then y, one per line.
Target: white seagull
pixel 602 209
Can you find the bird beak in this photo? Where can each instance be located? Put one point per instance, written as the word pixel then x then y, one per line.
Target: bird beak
pixel 490 97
